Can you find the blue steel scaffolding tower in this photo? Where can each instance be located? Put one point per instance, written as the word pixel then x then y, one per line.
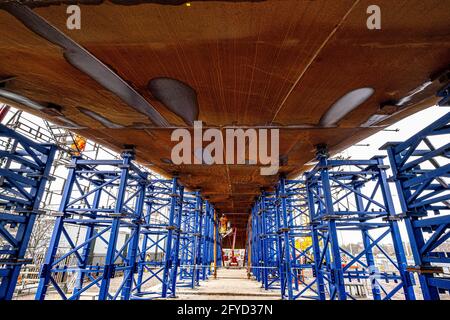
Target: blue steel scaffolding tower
pixel 280 223
pixel 159 249
pixel 296 256
pixel 189 243
pixel 207 251
pixel 421 171
pixel 122 185
pixel 24 170
pixel 353 195
pixel 197 240
pixel 265 244
pixel 258 253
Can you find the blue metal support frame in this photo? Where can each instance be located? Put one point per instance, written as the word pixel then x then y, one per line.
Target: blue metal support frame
pixel 265 243
pixel 354 195
pixel 122 185
pixel 189 240
pixel 297 262
pixel 421 171
pixel 207 241
pixel 159 248
pixel 218 245
pixel 278 220
pixel 199 237
pixel 24 171
pixel 197 240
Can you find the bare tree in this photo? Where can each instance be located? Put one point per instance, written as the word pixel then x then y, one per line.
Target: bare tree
pixel 40 236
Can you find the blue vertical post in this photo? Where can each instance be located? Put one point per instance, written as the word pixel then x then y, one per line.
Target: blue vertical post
pixel 198 237
pixel 336 272
pixel 56 235
pixel 109 268
pixel 255 244
pixel 294 260
pixel 282 266
pixel 285 231
pixel 176 256
pixel 206 240
pixel 134 242
pixel 263 234
pixel 170 235
pixel 257 253
pixel 407 282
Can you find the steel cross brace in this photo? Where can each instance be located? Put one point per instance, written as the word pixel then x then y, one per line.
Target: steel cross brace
pixel 421 169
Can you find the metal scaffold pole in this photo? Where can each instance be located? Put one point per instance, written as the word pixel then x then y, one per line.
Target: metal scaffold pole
pixel 208 243
pixel 421 169
pixel 171 259
pixel 24 172
pixel 188 241
pixel 216 244
pixel 284 243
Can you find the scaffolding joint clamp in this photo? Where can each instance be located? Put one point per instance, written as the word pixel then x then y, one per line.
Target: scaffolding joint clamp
pixel 58 214
pixel 109 271
pixel 331 217
pixel 45 270
pixel 393 218
pixel 31 211
pixel 15 261
pixel 425 269
pixel 116 214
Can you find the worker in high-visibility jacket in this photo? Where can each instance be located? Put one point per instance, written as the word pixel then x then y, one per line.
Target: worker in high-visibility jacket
pixel 78 145
pixel 223 224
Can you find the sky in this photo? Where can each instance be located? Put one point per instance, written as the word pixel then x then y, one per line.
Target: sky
pixel 407 127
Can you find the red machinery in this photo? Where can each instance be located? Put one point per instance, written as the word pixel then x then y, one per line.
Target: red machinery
pixel 3 112
pixel 233 260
